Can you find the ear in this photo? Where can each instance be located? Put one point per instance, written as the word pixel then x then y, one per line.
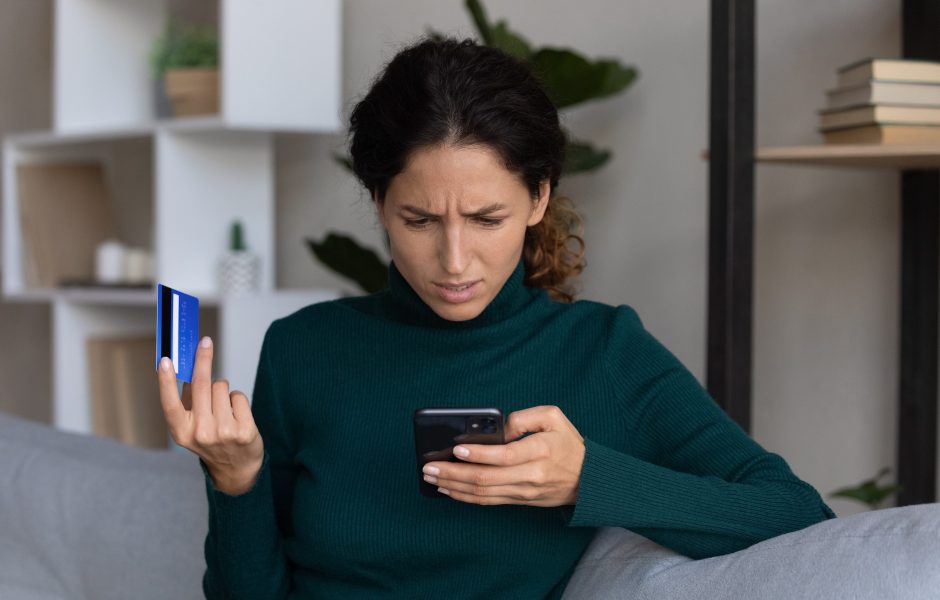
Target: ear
pixel 538 211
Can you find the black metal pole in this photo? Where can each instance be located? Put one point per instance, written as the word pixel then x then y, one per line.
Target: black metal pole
pixel 731 207
pixel 920 226
pixel 920 275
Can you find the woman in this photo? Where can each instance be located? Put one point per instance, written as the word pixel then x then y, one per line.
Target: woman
pixel 312 489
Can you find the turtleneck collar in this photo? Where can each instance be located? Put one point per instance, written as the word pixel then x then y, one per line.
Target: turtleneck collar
pixel 404 304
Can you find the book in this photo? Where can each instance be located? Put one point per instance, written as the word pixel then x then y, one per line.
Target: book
pixel 140 416
pixel 889 69
pixel 65 212
pixel 884 134
pixel 878 115
pixel 884 92
pixel 101 388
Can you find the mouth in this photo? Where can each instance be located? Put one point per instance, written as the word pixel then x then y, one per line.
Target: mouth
pixel 457 287
pixel 457 294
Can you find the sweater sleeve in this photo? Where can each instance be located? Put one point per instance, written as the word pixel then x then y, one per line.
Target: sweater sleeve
pixel 690 479
pixel 244 547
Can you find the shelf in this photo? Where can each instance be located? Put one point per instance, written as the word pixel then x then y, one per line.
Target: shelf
pixel 209 123
pixel 279 66
pixel 884 156
pixel 174 185
pixel 99 296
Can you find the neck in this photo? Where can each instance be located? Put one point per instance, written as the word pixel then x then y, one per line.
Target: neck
pixel 404 304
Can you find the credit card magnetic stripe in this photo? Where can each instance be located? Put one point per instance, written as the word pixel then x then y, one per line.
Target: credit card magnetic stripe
pixel 166 314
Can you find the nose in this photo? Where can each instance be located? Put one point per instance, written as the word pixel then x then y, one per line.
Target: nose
pixel 455 256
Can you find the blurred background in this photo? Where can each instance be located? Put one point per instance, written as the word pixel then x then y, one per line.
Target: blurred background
pixel 825 360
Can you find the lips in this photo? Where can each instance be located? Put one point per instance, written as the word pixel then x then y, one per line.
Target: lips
pixel 457 285
pixel 457 295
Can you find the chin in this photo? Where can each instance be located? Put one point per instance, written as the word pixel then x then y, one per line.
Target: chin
pixel 457 312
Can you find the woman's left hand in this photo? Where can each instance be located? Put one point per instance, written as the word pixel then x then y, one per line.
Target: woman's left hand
pixel 542 469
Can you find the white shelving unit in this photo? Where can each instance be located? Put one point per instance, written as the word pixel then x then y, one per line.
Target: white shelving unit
pixel 188 178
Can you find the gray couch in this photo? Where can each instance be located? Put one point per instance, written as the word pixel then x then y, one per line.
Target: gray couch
pixel 88 517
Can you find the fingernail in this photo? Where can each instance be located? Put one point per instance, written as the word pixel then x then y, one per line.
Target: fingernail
pixel 461 451
pixel 443 491
pixel 165 364
pixel 206 342
pixel 431 470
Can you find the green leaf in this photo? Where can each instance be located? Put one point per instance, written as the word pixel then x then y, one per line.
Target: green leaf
pixel 510 42
pixel 569 78
pixel 580 157
pixel 868 492
pixel 344 256
pixel 498 35
pixel 614 77
pixel 184 46
pixel 478 14
pixel 343 161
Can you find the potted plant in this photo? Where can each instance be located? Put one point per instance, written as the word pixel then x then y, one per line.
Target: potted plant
pixel 185 61
pixel 569 78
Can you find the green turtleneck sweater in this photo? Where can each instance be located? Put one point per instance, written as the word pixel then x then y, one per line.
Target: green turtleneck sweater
pixel 335 511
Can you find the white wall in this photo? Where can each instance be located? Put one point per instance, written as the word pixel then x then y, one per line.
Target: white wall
pixel 826 246
pixel 827 257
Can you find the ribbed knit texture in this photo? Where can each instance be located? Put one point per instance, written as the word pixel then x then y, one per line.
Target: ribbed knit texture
pixel 336 513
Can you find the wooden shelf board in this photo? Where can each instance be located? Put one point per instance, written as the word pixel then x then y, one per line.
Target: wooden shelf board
pixel 888 156
pixel 145 130
pixel 97 296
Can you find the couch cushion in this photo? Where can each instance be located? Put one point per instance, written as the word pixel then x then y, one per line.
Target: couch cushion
pixel 87 516
pixel 888 553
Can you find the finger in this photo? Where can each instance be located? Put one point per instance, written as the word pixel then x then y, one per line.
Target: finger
pixel 483 500
pixel 517 493
pixel 486 475
pixel 242 408
pixel 537 418
pixel 221 403
pixel 169 396
pixel 529 448
pixel 202 379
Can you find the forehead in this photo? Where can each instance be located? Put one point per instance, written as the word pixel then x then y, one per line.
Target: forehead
pixel 444 174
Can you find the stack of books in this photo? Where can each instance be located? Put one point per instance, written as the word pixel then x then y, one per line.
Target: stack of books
pixel 125 396
pixel 883 101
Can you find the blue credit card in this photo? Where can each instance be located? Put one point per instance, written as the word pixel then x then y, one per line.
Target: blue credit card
pixel 177 330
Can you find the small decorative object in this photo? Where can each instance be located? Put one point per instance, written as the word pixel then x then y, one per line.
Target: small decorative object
pixel 185 62
pixel 239 269
pixel 109 261
pixel 138 266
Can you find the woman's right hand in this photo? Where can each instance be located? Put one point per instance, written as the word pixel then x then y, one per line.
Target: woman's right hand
pixel 213 423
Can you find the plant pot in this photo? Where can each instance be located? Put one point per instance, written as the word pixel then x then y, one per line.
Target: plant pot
pixel 239 272
pixel 193 91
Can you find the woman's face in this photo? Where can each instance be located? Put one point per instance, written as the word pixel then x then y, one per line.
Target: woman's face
pixel 456 215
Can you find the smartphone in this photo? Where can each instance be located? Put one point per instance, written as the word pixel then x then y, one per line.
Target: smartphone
pixel 438 430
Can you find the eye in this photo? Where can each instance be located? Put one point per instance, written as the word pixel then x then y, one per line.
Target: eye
pixel 490 222
pixel 416 223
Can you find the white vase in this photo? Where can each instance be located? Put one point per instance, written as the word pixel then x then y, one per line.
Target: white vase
pixel 239 272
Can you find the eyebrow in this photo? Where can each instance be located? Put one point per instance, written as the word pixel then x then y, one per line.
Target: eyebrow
pixel 479 213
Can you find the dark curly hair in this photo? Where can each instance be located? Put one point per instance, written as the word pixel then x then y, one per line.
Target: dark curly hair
pixel 444 90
